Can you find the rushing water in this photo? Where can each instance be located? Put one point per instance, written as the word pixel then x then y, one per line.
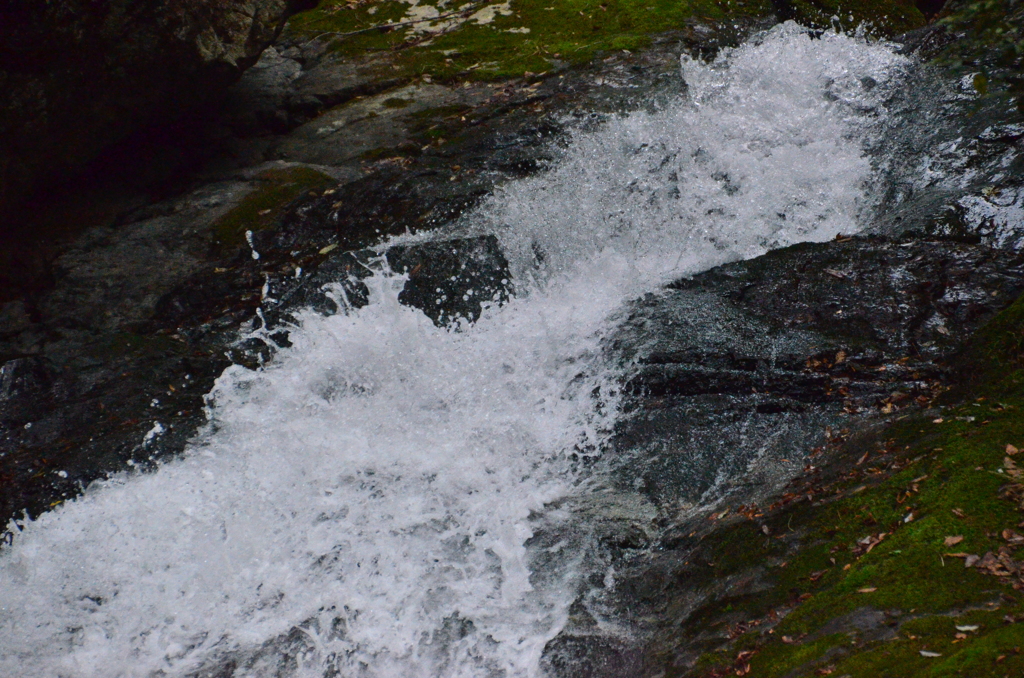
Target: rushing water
pixel 363 506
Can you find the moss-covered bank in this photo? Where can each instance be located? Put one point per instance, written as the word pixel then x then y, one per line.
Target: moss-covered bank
pixel 900 557
pixel 494 40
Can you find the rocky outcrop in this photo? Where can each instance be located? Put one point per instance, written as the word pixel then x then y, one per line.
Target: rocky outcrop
pixel 155 298
pixel 78 75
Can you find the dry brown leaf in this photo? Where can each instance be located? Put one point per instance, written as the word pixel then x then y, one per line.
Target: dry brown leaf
pixel 1011 450
pixel 953 540
pixel 1013 537
pixel 870 589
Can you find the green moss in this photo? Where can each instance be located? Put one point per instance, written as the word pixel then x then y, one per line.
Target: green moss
pixel 951 486
pixel 559 31
pixel 976 655
pixel 395 102
pixel 260 209
pixel 992 44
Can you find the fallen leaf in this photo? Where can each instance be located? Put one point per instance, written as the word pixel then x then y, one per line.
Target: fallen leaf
pixel 926 653
pixel 971 560
pixel 937 421
pixel 959 513
pixel 787 640
pixel 870 589
pixel 1013 537
pixel 1011 450
pixel 967 628
pixel 329 249
pixel 953 541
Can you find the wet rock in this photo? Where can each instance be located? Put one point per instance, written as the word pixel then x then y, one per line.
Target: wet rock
pixel 448 279
pixel 591 657
pixel 30 387
pixel 777 348
pixel 744 369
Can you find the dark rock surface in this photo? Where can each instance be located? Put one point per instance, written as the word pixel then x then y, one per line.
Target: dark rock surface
pixel 78 76
pixel 777 348
pixel 741 372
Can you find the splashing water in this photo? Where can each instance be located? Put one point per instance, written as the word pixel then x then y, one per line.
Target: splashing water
pixel 363 506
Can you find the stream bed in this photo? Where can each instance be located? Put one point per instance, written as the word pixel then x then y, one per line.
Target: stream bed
pixel 394 492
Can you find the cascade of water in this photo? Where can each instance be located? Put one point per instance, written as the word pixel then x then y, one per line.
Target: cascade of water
pixel 363 506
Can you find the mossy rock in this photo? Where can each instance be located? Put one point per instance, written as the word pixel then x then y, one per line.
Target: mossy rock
pixel 946 478
pixel 260 209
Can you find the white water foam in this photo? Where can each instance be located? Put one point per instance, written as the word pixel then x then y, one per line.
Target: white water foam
pixel 363 505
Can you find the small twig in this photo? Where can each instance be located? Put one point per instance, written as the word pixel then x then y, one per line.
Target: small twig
pixel 402 24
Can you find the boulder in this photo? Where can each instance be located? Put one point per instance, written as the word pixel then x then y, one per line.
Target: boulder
pixel 78 76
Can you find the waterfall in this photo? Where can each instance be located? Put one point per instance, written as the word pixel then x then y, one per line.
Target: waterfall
pixel 364 504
